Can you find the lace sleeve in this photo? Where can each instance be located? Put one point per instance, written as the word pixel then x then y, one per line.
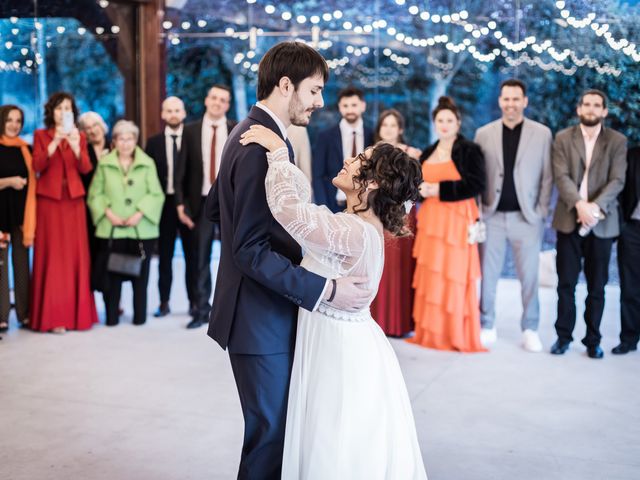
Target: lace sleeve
pixel 337 240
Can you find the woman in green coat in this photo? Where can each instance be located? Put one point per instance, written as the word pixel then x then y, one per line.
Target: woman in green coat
pixel 125 200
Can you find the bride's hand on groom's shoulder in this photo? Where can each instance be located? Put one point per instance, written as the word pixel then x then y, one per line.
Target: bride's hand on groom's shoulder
pixel 351 294
pixel 262 136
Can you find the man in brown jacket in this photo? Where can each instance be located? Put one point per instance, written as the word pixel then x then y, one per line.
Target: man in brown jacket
pixel 589 165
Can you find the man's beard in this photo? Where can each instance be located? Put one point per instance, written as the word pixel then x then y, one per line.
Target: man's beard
pixel 297 112
pixel 590 121
pixel 173 125
pixel 351 118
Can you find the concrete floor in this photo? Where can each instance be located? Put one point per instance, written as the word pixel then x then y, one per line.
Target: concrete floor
pixel 158 402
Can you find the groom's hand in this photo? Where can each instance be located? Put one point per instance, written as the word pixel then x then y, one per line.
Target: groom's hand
pixel 351 294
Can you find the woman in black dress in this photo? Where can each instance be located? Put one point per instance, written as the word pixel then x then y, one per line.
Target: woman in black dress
pixel 17 213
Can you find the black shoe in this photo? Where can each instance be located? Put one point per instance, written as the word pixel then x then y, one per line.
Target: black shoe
pixel 162 311
pixel 4 327
pixel 594 351
pixel 560 347
pixel 624 348
pixel 195 323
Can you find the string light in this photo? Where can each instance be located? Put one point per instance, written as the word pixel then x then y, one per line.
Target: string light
pixel 628 48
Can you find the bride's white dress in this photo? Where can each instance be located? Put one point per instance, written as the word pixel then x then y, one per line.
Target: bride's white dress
pixel 349 415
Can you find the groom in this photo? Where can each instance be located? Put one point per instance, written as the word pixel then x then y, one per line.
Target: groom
pixel 260 284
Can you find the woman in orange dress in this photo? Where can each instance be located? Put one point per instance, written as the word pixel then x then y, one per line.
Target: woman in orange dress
pixel 445 310
pixel 391 308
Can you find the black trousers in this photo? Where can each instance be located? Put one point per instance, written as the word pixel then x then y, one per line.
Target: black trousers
pixel 596 252
pixel 21 278
pixel 629 267
pixel 114 288
pixel 204 234
pixel 170 225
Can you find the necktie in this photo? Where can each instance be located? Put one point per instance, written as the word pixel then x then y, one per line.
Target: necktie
pixel 354 149
pixel 174 159
pixel 290 148
pixel 212 164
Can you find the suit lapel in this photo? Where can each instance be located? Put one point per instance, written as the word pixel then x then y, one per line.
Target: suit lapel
pixel 600 146
pixel 634 160
pixel 525 137
pixel 578 144
pixel 259 115
pixel 338 137
pixel 197 138
pixel 497 139
pixel 161 163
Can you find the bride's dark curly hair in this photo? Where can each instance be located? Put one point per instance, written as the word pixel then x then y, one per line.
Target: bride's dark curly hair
pixel 398 177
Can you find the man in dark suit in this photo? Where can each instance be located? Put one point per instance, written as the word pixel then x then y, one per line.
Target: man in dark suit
pixel 346 139
pixel 589 164
pixel 629 257
pixel 164 148
pixel 200 160
pixel 260 283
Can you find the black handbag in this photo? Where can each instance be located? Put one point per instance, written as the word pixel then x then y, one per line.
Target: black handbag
pixel 126 263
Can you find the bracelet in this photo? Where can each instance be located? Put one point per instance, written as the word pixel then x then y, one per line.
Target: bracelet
pixel 333 290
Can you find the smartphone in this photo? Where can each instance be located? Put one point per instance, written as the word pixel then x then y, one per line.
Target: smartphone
pixel 67 122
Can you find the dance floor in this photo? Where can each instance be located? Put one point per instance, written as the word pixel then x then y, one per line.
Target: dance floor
pixel 158 402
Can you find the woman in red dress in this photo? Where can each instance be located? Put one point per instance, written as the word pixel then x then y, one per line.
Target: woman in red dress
pixel 392 306
pixel 62 299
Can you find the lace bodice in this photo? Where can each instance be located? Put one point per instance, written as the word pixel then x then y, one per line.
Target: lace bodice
pixel 334 244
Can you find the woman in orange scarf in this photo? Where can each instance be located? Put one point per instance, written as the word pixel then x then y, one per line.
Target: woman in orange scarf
pixel 17 213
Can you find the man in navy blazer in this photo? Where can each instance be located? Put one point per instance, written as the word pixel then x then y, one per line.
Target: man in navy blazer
pixel 260 284
pixel 344 140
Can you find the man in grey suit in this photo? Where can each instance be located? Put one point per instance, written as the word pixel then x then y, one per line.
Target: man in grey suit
pixel 515 203
pixel 589 166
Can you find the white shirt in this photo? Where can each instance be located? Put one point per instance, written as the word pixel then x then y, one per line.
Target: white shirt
pixel 346 132
pixel 589 145
pixel 636 213
pixel 283 129
pixel 168 147
pixel 207 137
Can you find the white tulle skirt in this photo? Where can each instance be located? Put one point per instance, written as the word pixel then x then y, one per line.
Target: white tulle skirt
pixel 349 415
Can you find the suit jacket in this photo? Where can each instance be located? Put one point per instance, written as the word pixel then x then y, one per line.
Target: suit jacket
pixel 188 177
pixel 328 159
pixel 469 161
pixel 260 284
pixel 606 178
pixel 532 172
pixel 62 164
pixel 156 148
pixel 631 193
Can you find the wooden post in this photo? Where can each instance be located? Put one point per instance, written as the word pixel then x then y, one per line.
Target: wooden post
pixel 151 52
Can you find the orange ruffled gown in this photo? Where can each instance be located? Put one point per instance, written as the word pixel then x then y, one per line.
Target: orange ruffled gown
pixel 445 309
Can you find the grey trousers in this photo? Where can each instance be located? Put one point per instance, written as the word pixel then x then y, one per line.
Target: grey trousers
pixel 21 278
pixel 526 241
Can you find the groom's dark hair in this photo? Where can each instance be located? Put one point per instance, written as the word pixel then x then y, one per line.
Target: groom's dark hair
pixel 295 60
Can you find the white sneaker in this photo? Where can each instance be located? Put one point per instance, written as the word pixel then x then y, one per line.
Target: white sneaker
pixel 531 341
pixel 488 336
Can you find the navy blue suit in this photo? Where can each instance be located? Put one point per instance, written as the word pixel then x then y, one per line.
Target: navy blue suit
pixel 328 159
pixel 259 288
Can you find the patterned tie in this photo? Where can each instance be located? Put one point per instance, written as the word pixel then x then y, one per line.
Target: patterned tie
pixel 212 164
pixel 354 149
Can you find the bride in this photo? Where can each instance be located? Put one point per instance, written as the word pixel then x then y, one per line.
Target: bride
pixel 349 415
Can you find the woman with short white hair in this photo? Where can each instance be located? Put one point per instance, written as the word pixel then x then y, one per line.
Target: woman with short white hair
pixel 125 200
pixel 96 130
